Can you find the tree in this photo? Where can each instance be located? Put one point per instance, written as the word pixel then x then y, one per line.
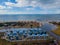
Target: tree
pixel 31 25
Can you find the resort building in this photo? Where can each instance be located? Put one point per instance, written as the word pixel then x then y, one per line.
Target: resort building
pixel 26 34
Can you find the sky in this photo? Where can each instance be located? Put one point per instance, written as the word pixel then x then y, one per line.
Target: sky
pixel 29 6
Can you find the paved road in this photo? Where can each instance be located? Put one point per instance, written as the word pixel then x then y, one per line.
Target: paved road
pixel 50 32
pixel 54 35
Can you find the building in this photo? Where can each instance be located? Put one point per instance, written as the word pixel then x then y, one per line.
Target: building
pixel 26 34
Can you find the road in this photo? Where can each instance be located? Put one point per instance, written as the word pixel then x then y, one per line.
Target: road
pixel 49 30
pixel 54 35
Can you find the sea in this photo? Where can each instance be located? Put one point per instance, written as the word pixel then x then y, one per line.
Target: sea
pixel 29 17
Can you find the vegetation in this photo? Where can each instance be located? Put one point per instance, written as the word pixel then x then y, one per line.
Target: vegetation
pixel 42 42
pixel 21 24
pixel 55 23
pixel 57 31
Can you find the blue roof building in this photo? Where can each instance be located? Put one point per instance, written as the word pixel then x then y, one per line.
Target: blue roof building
pixel 24 34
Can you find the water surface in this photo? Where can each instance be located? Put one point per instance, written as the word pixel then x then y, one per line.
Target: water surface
pixel 37 17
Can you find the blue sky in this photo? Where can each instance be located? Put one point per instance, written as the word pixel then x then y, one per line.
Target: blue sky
pixel 29 6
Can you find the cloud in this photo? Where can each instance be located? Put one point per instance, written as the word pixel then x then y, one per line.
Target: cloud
pixel 2 7
pixel 9 4
pixel 5 7
pixel 20 3
pixel 29 8
pixel 47 6
pixel 9 12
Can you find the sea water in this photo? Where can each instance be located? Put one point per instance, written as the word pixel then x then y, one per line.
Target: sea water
pixel 35 17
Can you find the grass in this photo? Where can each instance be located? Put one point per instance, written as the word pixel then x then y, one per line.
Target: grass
pixel 57 31
pixel 4 42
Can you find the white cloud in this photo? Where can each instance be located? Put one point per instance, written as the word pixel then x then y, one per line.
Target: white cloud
pixel 9 12
pixel 45 5
pixel 35 3
pixel 30 8
pixel 22 3
pixel 9 4
pixel 2 7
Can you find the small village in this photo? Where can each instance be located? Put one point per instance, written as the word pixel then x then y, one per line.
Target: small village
pixel 16 34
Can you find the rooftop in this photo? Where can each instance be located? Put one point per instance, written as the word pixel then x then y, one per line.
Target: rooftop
pixel 22 33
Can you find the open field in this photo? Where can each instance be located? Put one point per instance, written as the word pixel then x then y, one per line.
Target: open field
pixel 57 31
pixel 36 42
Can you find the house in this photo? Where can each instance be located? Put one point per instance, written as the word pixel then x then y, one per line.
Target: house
pixel 21 35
